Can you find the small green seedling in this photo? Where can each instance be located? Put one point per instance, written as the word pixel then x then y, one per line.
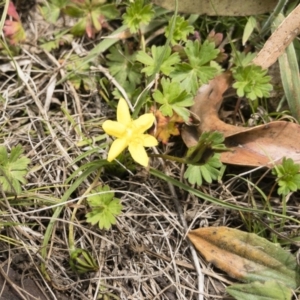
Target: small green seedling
pixel 82 262
pixel 288 176
pixel 137 13
pixel 105 207
pixel 252 82
pixel 13 169
pixel 181 31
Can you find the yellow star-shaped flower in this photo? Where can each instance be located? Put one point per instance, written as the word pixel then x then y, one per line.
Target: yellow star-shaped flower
pixel 130 133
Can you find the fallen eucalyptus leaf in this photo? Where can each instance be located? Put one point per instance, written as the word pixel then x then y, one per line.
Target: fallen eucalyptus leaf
pixel 269 290
pixel 246 256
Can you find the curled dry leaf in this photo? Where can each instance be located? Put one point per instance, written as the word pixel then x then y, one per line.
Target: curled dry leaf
pixel 261 145
pixel 246 256
pixel 264 145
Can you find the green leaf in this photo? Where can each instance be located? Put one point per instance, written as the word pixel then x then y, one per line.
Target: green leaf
pixel 60 38
pixel 59 3
pixel 13 169
pixel 174 98
pixel 105 207
pixel 193 175
pixel 289 73
pixel 79 28
pixel 123 66
pixel 136 14
pixel 181 31
pixel 252 82
pixel 203 161
pixel 242 59
pixel 91 15
pixel 288 176
pixel 187 76
pixel 109 11
pixel 246 256
pixel 74 10
pixel 80 73
pixel 198 54
pixel 250 26
pixel 198 70
pixel 207 172
pixel 131 90
pixel 51 11
pixel 167 65
pixel 269 290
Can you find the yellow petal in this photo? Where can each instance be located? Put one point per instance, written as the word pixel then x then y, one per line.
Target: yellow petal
pixel 116 148
pixel 149 140
pixel 139 154
pixel 114 128
pixel 144 122
pixel 123 115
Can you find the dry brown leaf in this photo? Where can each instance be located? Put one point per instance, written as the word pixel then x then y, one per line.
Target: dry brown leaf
pixel 166 126
pixel 245 256
pixel 207 104
pixel 262 145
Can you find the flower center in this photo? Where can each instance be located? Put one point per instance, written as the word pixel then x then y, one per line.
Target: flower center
pixel 132 134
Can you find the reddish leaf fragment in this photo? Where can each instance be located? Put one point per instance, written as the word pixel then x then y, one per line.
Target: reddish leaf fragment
pixel 166 126
pixel 217 38
pixel 246 256
pixel 14 31
pixel 12 12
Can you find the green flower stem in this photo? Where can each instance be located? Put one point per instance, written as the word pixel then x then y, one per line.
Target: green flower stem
pixel 142 41
pixel 211 199
pixel 283 220
pixel 71 224
pixel 169 157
